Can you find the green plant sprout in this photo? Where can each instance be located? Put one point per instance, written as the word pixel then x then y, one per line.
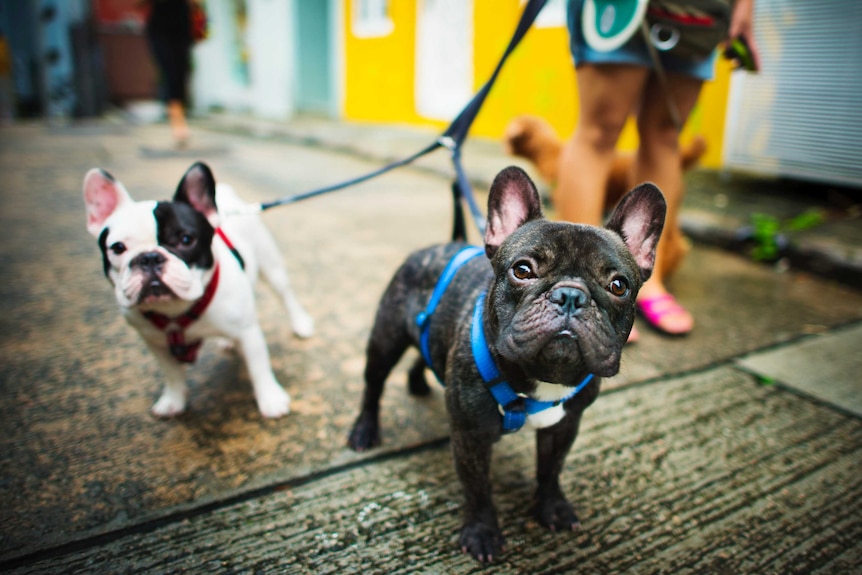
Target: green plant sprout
pixel 769 232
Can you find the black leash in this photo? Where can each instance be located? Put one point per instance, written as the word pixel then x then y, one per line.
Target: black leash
pixel 452 139
pixel 347 183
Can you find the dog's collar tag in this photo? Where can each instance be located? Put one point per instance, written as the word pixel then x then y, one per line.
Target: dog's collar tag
pixel 514 407
pixel 174 327
pixel 423 319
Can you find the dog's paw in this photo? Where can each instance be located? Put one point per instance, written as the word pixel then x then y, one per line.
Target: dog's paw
pixel 169 405
pixel 483 542
pixel 365 433
pixel 303 325
pixel 273 401
pixel 556 514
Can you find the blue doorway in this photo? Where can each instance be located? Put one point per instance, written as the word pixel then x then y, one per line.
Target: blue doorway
pixel 314 93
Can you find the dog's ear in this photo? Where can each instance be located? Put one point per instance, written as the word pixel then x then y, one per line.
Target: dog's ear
pixel 639 220
pixel 198 189
pixel 103 194
pixel 512 202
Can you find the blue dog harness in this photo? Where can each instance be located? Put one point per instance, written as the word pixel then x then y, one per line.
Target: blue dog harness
pixel 513 406
pixel 424 318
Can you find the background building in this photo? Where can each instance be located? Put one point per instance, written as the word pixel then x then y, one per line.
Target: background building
pixel 419 61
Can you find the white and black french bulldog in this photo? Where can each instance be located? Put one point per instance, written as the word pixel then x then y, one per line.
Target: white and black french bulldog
pixel 519 338
pixel 184 270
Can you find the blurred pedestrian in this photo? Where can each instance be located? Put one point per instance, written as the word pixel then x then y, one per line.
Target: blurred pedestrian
pixel 612 85
pixel 169 31
pixel 7 93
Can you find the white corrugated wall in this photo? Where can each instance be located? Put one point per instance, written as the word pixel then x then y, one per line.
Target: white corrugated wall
pixel 802 114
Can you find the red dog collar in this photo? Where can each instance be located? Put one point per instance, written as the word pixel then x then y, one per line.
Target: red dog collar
pixel 174 327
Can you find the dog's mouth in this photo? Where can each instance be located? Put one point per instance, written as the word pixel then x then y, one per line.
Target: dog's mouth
pixel 154 291
pixel 566 346
pixel 560 347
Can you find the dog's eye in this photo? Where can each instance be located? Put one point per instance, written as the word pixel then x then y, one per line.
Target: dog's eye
pixel 187 240
pixel 523 271
pixel 619 287
pixel 118 247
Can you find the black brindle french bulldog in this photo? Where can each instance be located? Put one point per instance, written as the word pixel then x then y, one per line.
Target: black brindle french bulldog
pixel 560 305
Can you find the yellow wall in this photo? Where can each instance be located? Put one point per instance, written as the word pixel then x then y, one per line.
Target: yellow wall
pixel 708 117
pixel 379 72
pixel 537 79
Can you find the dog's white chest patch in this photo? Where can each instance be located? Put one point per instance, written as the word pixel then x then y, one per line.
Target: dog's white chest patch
pixel 548 417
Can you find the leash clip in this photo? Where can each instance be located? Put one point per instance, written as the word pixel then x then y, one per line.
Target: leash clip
pixel 247 210
pixel 447 142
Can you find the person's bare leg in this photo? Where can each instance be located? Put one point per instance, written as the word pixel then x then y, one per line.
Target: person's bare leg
pixel 177 118
pixel 607 95
pixel 658 161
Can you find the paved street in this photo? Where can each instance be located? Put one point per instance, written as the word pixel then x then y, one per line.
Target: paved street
pixel 737 449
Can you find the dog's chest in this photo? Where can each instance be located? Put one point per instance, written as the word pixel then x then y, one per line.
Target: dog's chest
pixel 552 415
pixel 546 418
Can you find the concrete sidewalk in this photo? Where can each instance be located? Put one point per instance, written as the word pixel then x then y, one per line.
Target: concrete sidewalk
pixel 702 456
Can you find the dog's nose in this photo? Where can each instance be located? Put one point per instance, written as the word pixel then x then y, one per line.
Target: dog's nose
pixel 571 300
pixel 148 261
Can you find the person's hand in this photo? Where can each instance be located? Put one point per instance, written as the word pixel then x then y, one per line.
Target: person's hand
pixel 742 26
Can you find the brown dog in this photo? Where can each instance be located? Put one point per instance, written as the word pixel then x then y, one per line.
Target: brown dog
pixel 534 139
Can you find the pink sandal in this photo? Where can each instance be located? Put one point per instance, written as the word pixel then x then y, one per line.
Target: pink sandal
pixel 656 309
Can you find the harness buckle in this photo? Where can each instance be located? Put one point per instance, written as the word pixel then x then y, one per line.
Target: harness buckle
pixel 182 350
pixel 514 415
pixel 518 405
pixel 422 319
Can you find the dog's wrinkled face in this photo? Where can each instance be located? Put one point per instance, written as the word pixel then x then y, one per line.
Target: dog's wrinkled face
pixel 153 252
pixel 563 297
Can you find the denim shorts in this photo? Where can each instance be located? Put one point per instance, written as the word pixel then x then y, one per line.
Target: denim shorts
pixel 633 52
